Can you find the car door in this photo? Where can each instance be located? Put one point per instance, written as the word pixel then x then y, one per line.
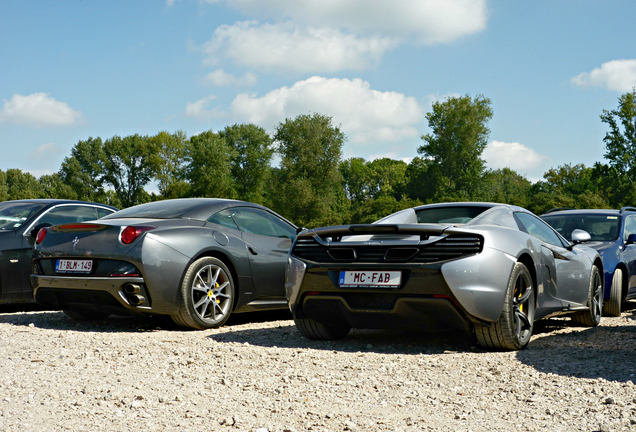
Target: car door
pixel 268 240
pixel 571 267
pixel 629 253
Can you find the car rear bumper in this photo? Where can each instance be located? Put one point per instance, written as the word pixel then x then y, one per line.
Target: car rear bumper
pixel 92 293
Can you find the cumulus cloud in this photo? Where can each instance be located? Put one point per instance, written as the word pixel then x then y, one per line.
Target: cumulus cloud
pixel 427 21
pixel 201 109
pixel 515 156
pixel 616 75
pixel 220 78
pixel 366 115
pixel 291 48
pixel 45 150
pixel 38 109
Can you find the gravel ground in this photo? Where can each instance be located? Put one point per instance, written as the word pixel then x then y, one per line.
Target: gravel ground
pixel 258 374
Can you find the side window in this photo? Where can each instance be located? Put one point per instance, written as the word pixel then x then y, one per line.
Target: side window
pixel 101 212
pixel 224 218
pixel 539 229
pixel 257 221
pixel 630 226
pixel 67 214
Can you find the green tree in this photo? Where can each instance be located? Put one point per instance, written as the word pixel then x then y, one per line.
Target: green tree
pixel 208 167
pixel 167 156
pixel 4 189
pixel 506 186
pixel 128 169
pixel 54 187
pixel 459 135
pixel 310 189
pixel 620 146
pixel 22 185
pixel 251 157
pixel 84 170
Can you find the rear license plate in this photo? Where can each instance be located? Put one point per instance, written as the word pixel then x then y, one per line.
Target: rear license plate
pixel 370 279
pixel 73 266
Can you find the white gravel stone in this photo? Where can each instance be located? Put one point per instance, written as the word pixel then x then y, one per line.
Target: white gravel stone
pixel 141 374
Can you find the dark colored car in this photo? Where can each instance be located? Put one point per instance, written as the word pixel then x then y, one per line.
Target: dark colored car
pixel 613 235
pixel 489 268
pixel 19 223
pixel 196 260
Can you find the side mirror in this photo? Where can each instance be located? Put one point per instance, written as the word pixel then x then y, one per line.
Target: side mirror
pixel 631 239
pixel 38 227
pixel 580 236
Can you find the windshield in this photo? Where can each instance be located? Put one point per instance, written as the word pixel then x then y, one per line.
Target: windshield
pixel 14 214
pixel 601 227
pixel 449 215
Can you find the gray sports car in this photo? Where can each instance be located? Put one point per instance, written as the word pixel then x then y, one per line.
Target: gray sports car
pixel 489 268
pixel 196 260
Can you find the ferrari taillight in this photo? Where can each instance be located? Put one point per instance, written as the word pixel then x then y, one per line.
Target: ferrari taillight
pixel 41 234
pixel 130 233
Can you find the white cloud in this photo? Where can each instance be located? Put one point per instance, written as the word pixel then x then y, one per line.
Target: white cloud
pixel 291 48
pixel 366 115
pixel 220 78
pixel 517 157
pixel 45 150
pixel 38 109
pixel 616 75
pixel 201 109
pixel 426 21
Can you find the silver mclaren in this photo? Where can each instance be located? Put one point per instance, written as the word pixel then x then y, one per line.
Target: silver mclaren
pixel 197 260
pixel 487 268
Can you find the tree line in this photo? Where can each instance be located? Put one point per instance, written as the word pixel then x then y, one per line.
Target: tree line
pixel 313 186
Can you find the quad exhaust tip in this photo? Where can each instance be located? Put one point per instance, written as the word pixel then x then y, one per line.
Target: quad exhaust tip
pixel 131 288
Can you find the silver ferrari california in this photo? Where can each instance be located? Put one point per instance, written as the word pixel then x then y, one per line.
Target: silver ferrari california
pixel 491 269
pixel 196 260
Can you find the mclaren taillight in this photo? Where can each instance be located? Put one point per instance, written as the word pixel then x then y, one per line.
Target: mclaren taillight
pixel 39 238
pixel 130 233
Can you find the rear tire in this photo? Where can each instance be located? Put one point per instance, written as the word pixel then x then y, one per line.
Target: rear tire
pixel 612 307
pixel 514 328
pixel 85 315
pixel 207 295
pixel 592 316
pixel 313 329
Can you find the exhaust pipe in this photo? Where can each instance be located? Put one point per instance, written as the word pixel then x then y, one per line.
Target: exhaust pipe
pixel 131 288
pixel 136 299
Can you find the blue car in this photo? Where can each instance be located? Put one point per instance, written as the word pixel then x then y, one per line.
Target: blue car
pixel 613 235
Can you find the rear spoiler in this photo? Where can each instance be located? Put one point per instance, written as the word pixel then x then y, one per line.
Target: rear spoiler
pixel 424 231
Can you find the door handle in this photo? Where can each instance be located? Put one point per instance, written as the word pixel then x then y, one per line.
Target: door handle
pixel 252 251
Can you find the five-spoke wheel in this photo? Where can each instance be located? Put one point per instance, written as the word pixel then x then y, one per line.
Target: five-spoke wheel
pixel 514 328
pixel 592 316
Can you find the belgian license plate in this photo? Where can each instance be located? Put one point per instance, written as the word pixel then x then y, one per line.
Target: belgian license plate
pixel 370 279
pixel 73 266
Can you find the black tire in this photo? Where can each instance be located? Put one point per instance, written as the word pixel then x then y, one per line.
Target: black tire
pixel 592 316
pixel 85 314
pixel 612 307
pixel 313 329
pixel 514 328
pixel 206 295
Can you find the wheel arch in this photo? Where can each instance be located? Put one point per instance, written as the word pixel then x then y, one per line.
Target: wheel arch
pixel 223 257
pixel 527 260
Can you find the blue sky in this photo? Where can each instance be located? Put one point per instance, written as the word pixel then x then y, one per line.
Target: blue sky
pixel 75 69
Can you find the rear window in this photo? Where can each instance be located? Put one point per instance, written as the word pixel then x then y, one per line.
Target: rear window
pixel 601 227
pixel 168 209
pixel 449 215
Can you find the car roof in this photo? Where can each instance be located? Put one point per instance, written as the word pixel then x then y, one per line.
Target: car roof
pixel 584 212
pixel 52 201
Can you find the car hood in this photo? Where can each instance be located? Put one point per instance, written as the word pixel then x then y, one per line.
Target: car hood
pixel 600 246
